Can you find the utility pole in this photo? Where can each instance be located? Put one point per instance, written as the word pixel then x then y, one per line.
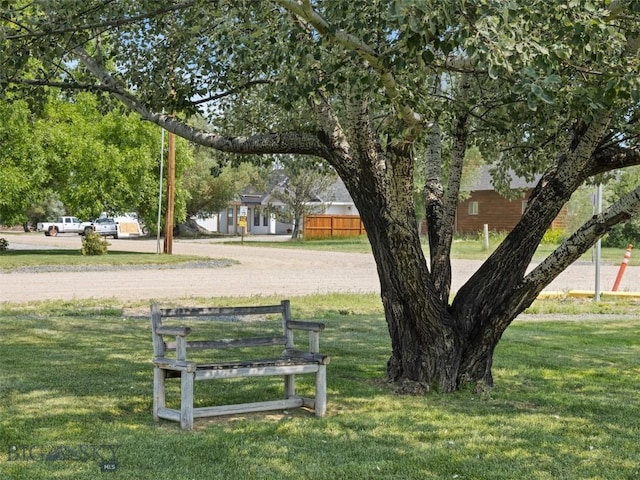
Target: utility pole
pixel 171 189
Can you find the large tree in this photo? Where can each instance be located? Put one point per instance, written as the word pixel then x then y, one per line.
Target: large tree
pixel 537 86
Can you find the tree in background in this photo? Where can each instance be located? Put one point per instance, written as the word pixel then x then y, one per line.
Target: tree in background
pixel 303 186
pixel 103 161
pixel 211 182
pixel 23 164
pixel 49 208
pixel 627 233
pixel 546 88
pixel 79 156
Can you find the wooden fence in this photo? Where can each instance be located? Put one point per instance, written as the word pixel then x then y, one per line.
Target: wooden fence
pixel 324 226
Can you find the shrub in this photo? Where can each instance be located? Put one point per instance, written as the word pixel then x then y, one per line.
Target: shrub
pixel 623 234
pixel 94 244
pixel 554 236
pixel 4 245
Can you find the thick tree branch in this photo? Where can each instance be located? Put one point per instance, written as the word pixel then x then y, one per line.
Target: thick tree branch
pixel 272 143
pixel 612 157
pixel 441 233
pixel 570 250
pixel 502 272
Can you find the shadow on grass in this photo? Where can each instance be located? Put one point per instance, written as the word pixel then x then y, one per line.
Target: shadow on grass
pixel 563 407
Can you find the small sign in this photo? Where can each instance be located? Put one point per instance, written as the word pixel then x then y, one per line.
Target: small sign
pixel 244 211
pixel 242 221
pixel 108 467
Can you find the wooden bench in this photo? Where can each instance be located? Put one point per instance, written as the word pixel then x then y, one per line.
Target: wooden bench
pixel 173 358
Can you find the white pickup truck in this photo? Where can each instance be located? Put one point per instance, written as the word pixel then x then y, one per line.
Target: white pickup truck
pixel 63 225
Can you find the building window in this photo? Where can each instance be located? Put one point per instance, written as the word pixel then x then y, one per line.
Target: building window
pixel 473 208
pixel 230 217
pixel 256 217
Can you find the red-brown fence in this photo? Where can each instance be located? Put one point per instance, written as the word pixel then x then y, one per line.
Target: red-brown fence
pixel 324 226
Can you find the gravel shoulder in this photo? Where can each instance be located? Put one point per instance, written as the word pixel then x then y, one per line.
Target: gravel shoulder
pixel 237 270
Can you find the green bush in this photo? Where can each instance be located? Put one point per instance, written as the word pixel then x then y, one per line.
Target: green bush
pixel 4 245
pixel 554 236
pixel 94 244
pixel 622 235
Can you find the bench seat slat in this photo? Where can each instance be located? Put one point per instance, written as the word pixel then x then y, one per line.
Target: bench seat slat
pixel 256 371
pixel 243 368
pixel 220 311
pixel 231 343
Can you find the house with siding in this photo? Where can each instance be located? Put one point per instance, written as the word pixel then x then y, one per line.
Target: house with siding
pixel 486 206
pixel 261 207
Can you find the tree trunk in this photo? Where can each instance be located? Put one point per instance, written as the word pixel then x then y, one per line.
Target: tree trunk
pixel 429 348
pixel 424 350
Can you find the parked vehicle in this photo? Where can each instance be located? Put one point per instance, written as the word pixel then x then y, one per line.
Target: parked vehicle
pixel 124 226
pixel 105 226
pixel 64 224
pixel 128 225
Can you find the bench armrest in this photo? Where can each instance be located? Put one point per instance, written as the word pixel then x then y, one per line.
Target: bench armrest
pixel 173 331
pixel 173 364
pixel 311 326
pixel 314 329
pixel 311 357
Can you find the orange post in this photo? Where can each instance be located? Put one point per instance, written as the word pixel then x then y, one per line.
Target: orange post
pixel 623 267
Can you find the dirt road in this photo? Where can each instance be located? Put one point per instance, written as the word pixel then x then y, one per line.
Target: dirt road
pixel 260 271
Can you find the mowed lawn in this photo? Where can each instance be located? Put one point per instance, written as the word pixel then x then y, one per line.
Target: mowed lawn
pixel 76 386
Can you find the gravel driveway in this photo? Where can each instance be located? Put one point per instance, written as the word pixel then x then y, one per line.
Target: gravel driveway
pixel 255 271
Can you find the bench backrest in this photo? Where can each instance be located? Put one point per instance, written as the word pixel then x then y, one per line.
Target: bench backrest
pixel 160 346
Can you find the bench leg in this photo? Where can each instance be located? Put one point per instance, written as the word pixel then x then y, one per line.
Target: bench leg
pixel 158 391
pixel 289 386
pixel 321 391
pixel 186 400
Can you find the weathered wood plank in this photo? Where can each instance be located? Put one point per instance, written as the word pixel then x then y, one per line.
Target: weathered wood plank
pixel 304 325
pixel 321 392
pixel 256 371
pixel 186 400
pixel 174 331
pixel 306 356
pixel 169 414
pixel 158 391
pixel 248 407
pixel 237 343
pixel 221 311
pixel 229 343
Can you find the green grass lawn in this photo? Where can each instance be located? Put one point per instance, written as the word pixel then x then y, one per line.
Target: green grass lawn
pixel 462 248
pixel 26 259
pixel 75 380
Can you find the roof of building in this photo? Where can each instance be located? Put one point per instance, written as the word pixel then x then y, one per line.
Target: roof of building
pixel 485 182
pixel 340 192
